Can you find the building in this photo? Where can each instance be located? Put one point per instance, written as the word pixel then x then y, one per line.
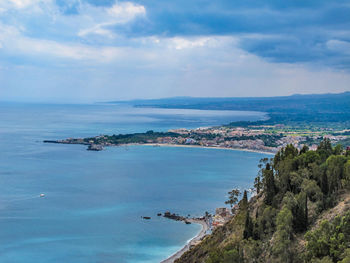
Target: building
pixel 222 211
pixel 222 215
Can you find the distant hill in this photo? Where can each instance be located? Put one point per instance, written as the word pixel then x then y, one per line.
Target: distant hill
pixel 295 108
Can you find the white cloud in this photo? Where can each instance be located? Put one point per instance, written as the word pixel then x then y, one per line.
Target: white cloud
pixel 90 19
pixel 33 5
pixel 17 44
pixel 185 43
pixel 67 50
pixel 339 46
pixel 24 3
pixel 97 30
pixel 126 11
pixel 119 13
pixel 153 66
pixel 16 38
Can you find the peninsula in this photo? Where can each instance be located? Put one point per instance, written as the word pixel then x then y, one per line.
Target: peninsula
pixel 250 136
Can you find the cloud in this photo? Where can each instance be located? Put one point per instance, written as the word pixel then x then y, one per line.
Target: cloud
pixel 119 13
pixel 342 47
pixel 184 43
pixel 99 29
pixel 161 70
pixel 23 3
pixel 123 49
pixel 16 44
pixel 295 32
pixel 301 29
pixel 126 11
pixel 33 5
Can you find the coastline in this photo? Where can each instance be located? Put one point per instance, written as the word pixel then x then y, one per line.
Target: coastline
pixel 204 225
pixel 198 146
pixel 193 241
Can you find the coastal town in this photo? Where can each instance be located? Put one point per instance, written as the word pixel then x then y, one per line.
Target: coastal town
pixel 261 138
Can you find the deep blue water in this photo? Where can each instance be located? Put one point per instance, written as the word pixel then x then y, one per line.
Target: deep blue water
pixel 94 200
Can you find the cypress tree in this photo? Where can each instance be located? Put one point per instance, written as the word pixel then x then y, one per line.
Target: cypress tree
pixel 257 184
pixel 306 220
pixel 269 185
pixel 300 217
pixel 244 202
pixel 324 183
pixel 248 227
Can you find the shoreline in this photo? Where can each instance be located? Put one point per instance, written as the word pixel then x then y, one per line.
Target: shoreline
pixel 197 146
pixel 191 242
pixel 204 226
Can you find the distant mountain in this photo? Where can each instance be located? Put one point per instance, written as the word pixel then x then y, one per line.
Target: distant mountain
pixel 296 108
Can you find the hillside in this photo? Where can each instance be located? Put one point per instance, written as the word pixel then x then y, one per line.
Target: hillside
pixel 300 213
pixel 317 108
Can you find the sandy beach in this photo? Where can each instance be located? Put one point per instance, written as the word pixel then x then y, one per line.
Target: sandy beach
pixel 198 146
pixel 198 237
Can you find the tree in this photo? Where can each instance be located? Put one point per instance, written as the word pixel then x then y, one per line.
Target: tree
pixel 248 226
pixel 304 149
pixel 346 256
pixel 306 214
pixel 347 153
pixel 290 152
pixel 233 197
pixel 312 190
pixel 244 201
pixel 283 235
pixel 257 184
pixel 324 184
pixel 252 250
pixel 335 166
pixel 269 184
pixel 300 217
pixel 325 149
pixel 346 174
pixel 231 256
pixel 303 160
pixel 266 222
pixel 318 240
pixel 215 257
pixel 330 239
pixel 338 149
pixel 296 182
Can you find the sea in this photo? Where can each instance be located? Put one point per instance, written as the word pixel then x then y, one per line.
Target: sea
pixel 93 201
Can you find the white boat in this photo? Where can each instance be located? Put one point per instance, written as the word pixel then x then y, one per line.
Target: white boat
pixel 42 195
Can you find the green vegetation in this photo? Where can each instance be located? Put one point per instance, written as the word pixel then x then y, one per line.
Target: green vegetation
pixel 330 241
pixel 233 197
pixel 300 213
pixel 149 136
pixel 153 137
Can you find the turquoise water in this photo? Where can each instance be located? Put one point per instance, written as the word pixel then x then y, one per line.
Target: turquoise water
pixel 94 201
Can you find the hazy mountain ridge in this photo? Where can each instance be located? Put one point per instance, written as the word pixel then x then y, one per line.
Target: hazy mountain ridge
pixel 295 108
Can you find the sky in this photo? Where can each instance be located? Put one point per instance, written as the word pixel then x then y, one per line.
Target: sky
pixel 101 50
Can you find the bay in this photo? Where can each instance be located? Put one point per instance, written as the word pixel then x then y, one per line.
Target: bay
pixel 94 201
